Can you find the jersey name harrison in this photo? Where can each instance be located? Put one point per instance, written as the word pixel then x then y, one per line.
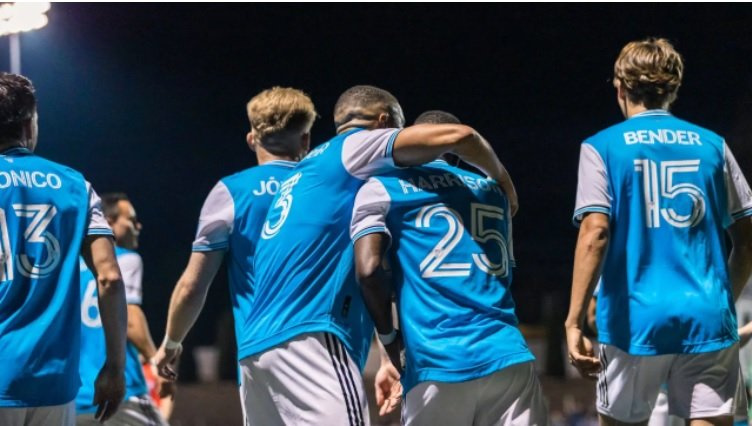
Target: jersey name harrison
pixel 664 136
pixel 446 180
pixel 33 179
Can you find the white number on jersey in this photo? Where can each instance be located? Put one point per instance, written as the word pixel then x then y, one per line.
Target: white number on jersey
pixel 284 203
pixel 433 264
pixel 41 215
pixel 90 305
pixel 670 190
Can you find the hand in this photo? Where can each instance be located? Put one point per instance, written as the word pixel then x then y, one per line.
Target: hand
pixel 109 391
pixel 395 352
pixel 166 388
pixel 581 354
pixel 165 360
pixel 388 389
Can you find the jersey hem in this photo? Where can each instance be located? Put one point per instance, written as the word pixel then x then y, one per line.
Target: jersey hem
pixel 470 373
pixel 211 247
pixel 690 348
pixel 100 231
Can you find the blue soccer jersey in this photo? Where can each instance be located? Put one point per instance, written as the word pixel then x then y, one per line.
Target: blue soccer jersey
pixel 46 210
pixel 231 219
pixel 451 257
pixel 305 280
pixel 93 353
pixel 670 189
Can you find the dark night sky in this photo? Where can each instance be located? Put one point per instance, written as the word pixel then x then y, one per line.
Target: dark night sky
pixel 150 99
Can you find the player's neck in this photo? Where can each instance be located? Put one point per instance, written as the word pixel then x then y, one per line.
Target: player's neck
pixel 634 109
pixel 263 156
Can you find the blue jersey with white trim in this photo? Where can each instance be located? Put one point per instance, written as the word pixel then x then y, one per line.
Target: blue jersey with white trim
pixel 305 279
pixel 46 210
pixel 452 259
pixel 93 355
pixel 231 219
pixel 670 188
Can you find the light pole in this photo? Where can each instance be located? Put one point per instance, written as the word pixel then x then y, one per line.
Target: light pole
pixel 19 17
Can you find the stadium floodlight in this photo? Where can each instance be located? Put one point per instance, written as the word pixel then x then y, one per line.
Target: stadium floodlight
pixel 19 17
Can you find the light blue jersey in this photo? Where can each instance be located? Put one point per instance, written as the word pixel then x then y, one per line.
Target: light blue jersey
pixel 46 210
pixel 451 257
pixel 231 219
pixel 305 280
pixel 670 189
pixel 93 353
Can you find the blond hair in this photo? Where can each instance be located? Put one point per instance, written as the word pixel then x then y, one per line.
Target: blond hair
pixel 277 112
pixel 650 71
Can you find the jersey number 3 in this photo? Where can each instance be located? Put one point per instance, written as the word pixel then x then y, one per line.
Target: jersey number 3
pixel 36 232
pixel 481 215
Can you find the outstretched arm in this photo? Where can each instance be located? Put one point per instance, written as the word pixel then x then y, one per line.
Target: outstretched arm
pixel 98 252
pixel 185 305
pixel 422 143
pixel 592 244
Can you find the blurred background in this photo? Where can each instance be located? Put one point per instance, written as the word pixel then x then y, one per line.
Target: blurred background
pixel 149 99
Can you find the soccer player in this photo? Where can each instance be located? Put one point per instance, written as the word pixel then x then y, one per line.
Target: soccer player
pixel 48 215
pixel 447 234
pixel 655 194
pixel 232 217
pixel 137 408
pixel 309 331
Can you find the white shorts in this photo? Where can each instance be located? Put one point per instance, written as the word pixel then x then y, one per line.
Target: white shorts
pixel 699 385
pixel 309 380
pixel 54 415
pixel 660 416
pixel 511 396
pixel 134 411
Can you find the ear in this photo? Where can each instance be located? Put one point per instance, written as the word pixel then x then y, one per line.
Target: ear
pixel 383 121
pixel 250 139
pixel 305 144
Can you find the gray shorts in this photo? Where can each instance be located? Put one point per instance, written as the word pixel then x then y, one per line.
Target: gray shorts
pixel 133 411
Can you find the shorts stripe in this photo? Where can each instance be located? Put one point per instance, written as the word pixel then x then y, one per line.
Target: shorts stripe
pixel 349 376
pixel 345 393
pixel 603 382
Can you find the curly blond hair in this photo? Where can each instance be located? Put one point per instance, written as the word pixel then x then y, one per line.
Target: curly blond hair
pixel 650 71
pixel 277 112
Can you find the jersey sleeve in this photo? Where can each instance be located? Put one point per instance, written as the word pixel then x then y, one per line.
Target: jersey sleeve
pixel 369 152
pixel 369 212
pixel 738 192
pixel 132 269
pixel 510 240
pixel 592 185
pixel 96 224
pixel 216 220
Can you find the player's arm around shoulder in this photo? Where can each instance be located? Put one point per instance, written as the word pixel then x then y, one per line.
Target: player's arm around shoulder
pixel 422 143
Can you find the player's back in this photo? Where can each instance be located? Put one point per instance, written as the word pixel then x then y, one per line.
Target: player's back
pixel 452 261
pixel 249 194
pixel 665 285
pixel 43 218
pixel 304 260
pixel 93 355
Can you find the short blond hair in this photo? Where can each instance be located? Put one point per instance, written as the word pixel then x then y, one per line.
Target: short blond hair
pixel 650 71
pixel 277 112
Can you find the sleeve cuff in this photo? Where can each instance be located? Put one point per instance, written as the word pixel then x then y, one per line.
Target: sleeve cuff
pixel 579 214
pixel 371 230
pixel 390 149
pixel 741 213
pixel 224 245
pixel 100 231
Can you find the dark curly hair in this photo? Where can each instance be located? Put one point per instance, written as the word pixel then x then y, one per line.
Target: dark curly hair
pixel 17 105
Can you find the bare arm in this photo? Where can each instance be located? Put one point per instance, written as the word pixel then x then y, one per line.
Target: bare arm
pixel 138 332
pixel 422 143
pixel 99 253
pixel 740 259
pixel 376 289
pixel 186 303
pixel 592 244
